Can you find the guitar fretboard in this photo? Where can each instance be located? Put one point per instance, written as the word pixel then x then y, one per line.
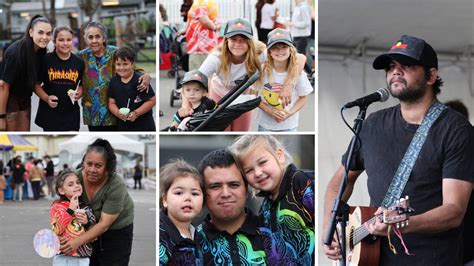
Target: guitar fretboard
pixel 361 232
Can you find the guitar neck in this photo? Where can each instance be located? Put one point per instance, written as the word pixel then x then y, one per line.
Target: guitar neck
pixel 361 232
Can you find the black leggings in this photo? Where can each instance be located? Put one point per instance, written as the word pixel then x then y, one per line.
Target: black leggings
pixel 113 248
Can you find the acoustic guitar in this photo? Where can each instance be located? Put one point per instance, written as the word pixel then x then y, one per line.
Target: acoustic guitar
pixel 363 248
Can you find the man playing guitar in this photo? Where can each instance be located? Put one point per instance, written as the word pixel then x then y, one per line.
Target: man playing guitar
pixel 441 178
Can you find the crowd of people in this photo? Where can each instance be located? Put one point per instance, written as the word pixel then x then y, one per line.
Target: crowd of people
pixel 35 177
pixel 114 94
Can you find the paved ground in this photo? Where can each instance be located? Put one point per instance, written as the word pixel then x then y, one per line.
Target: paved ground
pixel 35 102
pixel 166 86
pixel 20 221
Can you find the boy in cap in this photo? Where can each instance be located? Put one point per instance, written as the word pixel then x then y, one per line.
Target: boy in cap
pixel 194 89
pixel 419 148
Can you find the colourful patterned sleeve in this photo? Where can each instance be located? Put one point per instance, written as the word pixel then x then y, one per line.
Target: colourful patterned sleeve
pixel 304 187
pixel 59 218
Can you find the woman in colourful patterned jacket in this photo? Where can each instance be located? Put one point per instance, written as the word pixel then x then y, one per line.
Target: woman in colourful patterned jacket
pixel 99 69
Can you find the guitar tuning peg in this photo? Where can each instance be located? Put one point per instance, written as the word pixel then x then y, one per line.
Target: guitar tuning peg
pixel 406 223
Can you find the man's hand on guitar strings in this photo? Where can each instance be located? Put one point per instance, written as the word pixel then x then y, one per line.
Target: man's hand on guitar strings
pixel 378 228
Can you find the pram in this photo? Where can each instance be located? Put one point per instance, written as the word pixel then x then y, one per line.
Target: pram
pixel 175 47
pixel 179 60
pixel 224 113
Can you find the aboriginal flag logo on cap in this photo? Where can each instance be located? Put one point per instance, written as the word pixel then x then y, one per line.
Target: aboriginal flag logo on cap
pixel 399 45
pixel 238 26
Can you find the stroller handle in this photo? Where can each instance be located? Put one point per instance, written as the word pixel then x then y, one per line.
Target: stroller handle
pixel 230 97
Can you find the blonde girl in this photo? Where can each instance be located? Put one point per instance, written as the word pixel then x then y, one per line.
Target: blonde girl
pixel 281 65
pixel 181 200
pixel 238 55
pixel 287 210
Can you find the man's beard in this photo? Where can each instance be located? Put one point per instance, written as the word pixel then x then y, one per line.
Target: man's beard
pixel 411 93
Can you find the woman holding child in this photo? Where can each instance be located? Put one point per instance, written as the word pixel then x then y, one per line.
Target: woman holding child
pixel 107 194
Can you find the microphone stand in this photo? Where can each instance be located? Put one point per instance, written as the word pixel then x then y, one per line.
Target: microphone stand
pixel 340 209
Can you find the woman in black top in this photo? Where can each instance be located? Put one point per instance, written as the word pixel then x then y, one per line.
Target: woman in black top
pixel 18 74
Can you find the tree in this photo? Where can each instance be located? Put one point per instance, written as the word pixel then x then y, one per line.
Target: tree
pixel 52 11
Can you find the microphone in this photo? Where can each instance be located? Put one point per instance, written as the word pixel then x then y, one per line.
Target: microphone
pixel 381 95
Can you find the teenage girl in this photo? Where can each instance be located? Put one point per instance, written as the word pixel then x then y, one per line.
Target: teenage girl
pixel 18 74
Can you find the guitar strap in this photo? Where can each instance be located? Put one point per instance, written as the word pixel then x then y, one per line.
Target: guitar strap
pixel 402 174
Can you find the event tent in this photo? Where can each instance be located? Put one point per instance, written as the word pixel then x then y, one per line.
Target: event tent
pixel 79 143
pixel 16 143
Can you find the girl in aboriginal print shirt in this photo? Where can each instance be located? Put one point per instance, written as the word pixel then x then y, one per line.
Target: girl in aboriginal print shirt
pixel 181 200
pixel 287 211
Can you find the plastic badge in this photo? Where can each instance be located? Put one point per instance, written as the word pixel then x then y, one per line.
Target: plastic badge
pixel 46 243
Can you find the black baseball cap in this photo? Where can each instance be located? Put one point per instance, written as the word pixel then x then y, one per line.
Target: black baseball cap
pixel 195 75
pixel 408 51
pixel 238 26
pixel 279 36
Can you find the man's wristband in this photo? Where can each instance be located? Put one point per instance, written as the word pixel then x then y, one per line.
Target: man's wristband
pixel 4 115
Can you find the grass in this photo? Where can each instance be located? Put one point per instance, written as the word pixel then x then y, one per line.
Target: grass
pixel 149 67
pixel 150 53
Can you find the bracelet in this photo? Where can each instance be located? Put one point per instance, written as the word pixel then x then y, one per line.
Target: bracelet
pixel 4 115
pixel 70 211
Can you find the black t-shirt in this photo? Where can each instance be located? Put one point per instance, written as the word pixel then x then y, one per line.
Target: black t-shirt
pixel 13 70
pixel 121 92
pixel 448 152
pixel 174 248
pixel 206 105
pixel 58 77
pixel 18 170
pixel 50 168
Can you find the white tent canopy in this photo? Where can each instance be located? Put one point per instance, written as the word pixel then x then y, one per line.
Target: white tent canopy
pixel 79 143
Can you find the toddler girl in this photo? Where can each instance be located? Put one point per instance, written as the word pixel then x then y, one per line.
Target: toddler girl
pixel 181 200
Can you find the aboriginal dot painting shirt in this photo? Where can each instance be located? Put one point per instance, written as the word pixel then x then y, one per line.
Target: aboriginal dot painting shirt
pixel 95 83
pixel 174 248
pixel 289 220
pixel 244 247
